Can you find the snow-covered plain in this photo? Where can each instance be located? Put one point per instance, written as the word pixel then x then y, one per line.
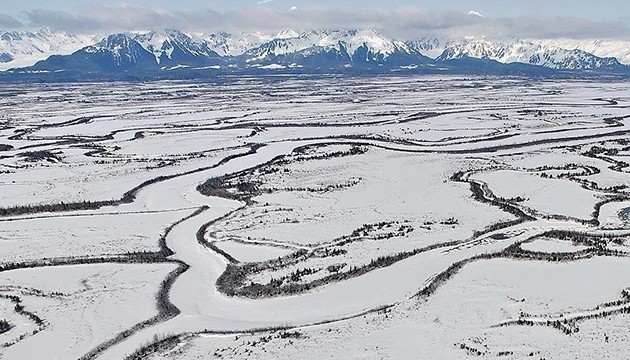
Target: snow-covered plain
pixel 428 217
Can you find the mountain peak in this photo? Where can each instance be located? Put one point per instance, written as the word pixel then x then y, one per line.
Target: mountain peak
pixel 114 43
pixel 287 34
pixel 172 46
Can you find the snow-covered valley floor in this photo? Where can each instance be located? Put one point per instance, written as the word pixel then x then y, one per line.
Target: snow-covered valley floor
pixel 383 218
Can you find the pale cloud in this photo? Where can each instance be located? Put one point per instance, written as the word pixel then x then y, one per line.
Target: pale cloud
pixel 9 22
pixel 402 23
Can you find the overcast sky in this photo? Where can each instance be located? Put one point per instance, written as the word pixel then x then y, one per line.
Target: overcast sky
pixel 602 19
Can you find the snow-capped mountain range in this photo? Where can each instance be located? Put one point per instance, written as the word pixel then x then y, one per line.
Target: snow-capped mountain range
pixel 547 54
pixel 25 48
pixel 260 47
pixel 345 43
pixel 151 51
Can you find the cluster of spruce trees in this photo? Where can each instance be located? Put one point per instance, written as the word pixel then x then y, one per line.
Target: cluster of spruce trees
pixel 4 326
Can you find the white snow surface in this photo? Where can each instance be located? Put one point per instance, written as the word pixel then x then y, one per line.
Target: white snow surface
pixel 89 305
pixel 374 179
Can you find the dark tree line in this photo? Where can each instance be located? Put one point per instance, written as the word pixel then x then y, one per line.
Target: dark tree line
pixel 40 155
pixel 166 311
pixel 244 187
pixel 233 281
pixel 128 197
pixel 20 309
pixel 569 326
